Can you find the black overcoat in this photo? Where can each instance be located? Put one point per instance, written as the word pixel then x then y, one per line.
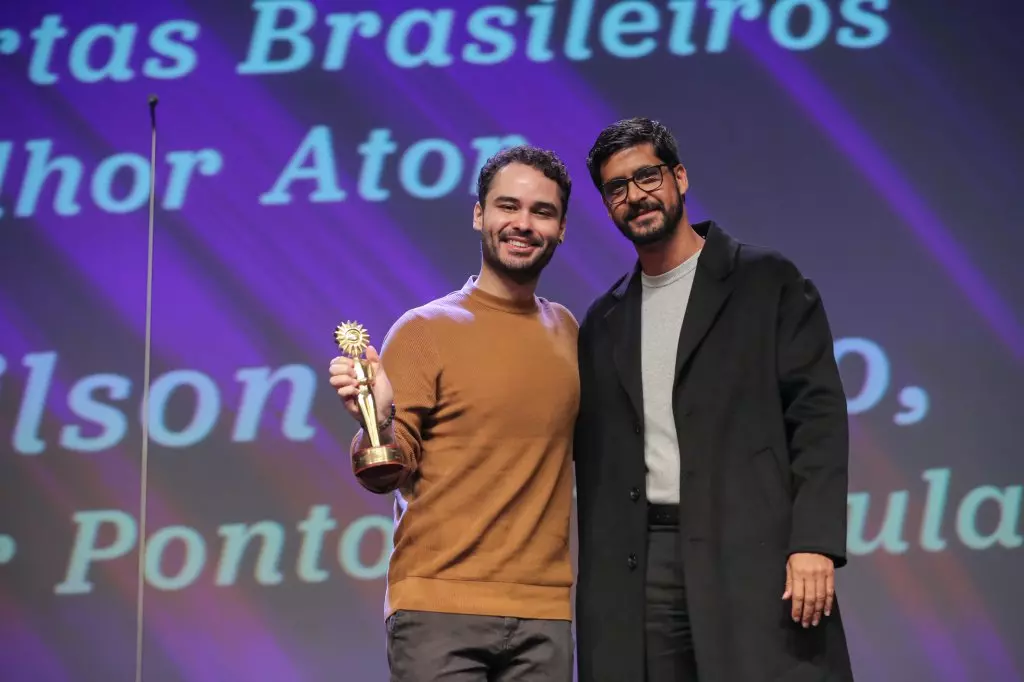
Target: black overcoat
pixel 763 439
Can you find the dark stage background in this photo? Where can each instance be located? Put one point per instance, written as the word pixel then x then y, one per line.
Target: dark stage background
pixel 315 164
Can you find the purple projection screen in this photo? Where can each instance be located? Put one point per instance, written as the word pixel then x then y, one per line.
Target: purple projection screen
pixel 317 162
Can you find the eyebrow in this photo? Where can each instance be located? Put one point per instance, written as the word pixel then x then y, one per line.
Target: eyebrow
pixel 535 205
pixel 632 172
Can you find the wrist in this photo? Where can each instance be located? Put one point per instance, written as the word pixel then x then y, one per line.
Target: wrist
pixel 389 418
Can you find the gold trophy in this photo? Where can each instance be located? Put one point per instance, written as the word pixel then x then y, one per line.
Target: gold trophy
pixel 378 468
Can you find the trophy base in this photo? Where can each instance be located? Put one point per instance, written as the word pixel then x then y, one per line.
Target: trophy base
pixel 380 469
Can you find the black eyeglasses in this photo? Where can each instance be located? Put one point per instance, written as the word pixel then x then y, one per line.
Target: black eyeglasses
pixel 648 179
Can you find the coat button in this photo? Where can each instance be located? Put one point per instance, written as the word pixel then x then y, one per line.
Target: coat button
pixel 631 562
pixel 636 428
pixel 634 494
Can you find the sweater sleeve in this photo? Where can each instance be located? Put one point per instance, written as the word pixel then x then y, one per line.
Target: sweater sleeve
pixel 410 359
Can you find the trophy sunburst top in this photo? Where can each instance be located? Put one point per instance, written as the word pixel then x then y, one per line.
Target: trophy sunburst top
pixel 352 338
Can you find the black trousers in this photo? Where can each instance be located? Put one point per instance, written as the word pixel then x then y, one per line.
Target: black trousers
pixel 427 647
pixel 669 640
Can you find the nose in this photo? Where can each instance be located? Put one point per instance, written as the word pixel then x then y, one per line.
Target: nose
pixel 634 193
pixel 523 221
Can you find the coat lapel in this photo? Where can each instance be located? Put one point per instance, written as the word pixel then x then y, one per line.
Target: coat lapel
pixel 623 322
pixel 711 289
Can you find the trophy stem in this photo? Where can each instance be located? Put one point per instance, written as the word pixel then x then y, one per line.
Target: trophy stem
pixel 366 406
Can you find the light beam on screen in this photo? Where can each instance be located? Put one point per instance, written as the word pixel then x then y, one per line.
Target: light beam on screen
pixel 118 476
pixel 264 114
pixel 18 345
pixel 830 116
pixel 207 304
pixel 984 142
pixel 588 112
pixel 183 652
pixel 383 71
pixel 907 587
pixel 303 492
pixel 228 342
pixel 111 128
pixel 175 336
pixel 21 643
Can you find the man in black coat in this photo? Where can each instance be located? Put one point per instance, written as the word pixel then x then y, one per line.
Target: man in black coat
pixel 711 448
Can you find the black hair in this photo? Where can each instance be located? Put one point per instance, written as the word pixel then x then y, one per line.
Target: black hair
pixel 543 160
pixel 631 132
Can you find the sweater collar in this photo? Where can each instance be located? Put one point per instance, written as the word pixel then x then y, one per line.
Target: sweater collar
pixel 497 302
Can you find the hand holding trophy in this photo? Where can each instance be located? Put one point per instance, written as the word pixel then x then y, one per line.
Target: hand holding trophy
pixel 380 467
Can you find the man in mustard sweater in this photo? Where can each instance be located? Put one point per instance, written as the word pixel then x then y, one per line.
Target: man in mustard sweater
pixel 485 389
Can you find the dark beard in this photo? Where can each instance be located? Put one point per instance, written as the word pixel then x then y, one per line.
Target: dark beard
pixel 670 222
pixel 520 272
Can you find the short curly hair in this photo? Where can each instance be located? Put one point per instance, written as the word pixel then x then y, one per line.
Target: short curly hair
pixel 543 160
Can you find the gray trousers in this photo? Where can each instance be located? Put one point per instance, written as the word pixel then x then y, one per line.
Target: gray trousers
pixel 426 646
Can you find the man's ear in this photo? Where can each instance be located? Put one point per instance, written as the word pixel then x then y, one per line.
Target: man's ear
pixel 478 217
pixel 681 179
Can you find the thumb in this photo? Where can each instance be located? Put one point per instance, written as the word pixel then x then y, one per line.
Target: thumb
pixel 789 583
pixel 374 361
pixel 371 354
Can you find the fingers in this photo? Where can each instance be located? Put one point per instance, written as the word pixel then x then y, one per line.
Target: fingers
pixel 340 365
pixel 830 592
pixel 797 607
pixel 789 584
pixel 371 354
pixel 818 605
pixel 344 380
pixel 812 587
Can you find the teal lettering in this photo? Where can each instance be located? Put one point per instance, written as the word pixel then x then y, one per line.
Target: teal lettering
pixel 84 551
pixel 343 27
pixel 45 37
pixel 876 372
pixel 116 67
pixel 317 148
pixel 782 14
pixel 351 544
pixel 891 535
pixel 724 13
pixel 112 422
pixel 486 147
pixel 377 147
pixel 237 537
pixel 680 37
pixel 183 164
pixel 579 25
pixel 191 567
pixel 103 182
pixel 204 415
pixel 40 166
pixel 1006 533
pixel 169 40
pixel 317 523
pixel 934 506
pixel 617 23
pixel 435 52
pixel 258 383
pixel 30 416
pixel 538 43
pixel 875 27
pixel 267 33
pixel 481 28
pixel 411 168
pixel 5 158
